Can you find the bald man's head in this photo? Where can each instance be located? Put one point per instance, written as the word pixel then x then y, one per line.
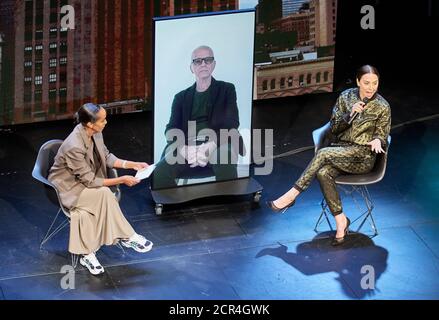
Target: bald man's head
pixel 196 52
pixel 203 63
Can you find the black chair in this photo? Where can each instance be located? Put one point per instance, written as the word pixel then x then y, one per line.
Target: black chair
pixel 43 163
pixel 357 182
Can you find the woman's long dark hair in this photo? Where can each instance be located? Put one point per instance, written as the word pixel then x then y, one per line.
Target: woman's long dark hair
pixel 365 70
pixel 87 113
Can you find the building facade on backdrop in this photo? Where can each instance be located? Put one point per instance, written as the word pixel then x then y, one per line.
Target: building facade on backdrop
pixel 296 47
pixel 47 72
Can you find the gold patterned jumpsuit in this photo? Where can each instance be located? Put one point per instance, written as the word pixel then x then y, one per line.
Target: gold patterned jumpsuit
pixel 350 154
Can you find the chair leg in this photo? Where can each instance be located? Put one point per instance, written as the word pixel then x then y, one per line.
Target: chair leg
pixel 51 233
pixel 120 247
pixel 318 222
pixel 370 205
pixel 75 259
pixel 364 193
pixel 324 206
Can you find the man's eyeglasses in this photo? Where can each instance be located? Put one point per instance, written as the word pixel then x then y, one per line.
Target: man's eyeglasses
pixel 199 61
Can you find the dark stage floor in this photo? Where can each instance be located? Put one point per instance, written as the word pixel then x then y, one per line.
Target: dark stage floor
pixel 223 248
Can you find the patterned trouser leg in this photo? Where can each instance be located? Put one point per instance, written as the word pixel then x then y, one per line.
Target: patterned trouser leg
pixel 326 176
pixel 329 163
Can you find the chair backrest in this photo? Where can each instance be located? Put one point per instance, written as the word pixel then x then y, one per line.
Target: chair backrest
pixel 319 136
pixel 112 173
pixel 377 173
pixel 380 166
pixel 45 160
pixel 43 163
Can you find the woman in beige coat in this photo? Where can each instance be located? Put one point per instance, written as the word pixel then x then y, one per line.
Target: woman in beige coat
pixel 79 173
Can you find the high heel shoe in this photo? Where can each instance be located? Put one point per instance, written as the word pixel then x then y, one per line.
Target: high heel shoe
pixel 339 241
pixel 272 206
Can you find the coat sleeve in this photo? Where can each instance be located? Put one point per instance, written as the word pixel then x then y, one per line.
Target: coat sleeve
pixel 382 128
pixel 77 165
pixel 340 116
pixel 110 158
pixel 230 117
pixel 176 116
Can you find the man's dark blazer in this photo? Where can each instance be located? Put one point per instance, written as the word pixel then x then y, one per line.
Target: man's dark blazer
pixel 222 110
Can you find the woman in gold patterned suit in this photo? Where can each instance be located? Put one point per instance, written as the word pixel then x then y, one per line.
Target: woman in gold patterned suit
pixel 361 123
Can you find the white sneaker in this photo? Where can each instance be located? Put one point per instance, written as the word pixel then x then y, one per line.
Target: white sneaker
pixel 138 243
pixel 92 264
pixel 139 238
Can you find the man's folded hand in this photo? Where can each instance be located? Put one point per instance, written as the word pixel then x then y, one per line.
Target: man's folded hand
pixel 189 153
pixel 204 152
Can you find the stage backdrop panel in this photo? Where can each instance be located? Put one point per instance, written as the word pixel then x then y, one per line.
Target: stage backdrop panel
pixel 47 71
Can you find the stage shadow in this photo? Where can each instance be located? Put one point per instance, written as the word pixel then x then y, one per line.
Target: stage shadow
pixel 358 262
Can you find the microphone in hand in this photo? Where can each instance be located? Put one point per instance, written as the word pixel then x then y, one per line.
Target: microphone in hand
pixel 365 101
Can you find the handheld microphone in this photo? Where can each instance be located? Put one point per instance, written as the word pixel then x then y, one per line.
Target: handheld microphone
pixel 365 100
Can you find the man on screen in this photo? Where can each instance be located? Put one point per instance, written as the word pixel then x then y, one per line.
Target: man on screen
pixel 207 104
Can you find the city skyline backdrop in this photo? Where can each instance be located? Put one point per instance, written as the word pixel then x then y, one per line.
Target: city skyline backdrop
pixel 47 72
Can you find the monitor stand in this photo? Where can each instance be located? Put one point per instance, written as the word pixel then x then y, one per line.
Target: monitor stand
pixel 239 187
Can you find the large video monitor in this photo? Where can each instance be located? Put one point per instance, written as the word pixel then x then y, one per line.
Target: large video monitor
pixel 203 92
